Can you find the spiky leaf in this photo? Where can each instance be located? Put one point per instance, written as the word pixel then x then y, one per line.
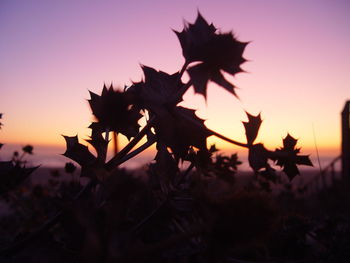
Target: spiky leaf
pixel 98 142
pixel 157 90
pixel 179 129
pixel 258 156
pixel 252 127
pixel 216 51
pixel 287 157
pixel 78 152
pixel 115 111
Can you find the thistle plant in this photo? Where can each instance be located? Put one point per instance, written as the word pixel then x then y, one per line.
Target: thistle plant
pixel 171 215
pixel 177 130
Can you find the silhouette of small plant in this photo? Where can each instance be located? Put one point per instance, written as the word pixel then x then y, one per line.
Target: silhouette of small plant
pixel 14 172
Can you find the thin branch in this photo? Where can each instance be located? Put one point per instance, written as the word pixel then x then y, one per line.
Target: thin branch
pixel 114 161
pixel 115 141
pixel 111 164
pixel 143 147
pixel 228 139
pixel 214 132
pixel 161 205
pixel 182 71
pixel 107 135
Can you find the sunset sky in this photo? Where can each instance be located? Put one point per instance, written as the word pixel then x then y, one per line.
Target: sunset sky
pixel 53 52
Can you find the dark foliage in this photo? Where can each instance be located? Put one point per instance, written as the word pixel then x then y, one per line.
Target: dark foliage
pixel 156 92
pixel 180 129
pixel 187 206
pixel 216 52
pixel 288 158
pixel 78 152
pixel 13 173
pixel 115 112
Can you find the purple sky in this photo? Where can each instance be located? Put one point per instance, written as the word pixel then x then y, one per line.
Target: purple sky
pixel 53 52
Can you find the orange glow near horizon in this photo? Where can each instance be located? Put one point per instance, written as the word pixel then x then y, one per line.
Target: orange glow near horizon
pixel 297 70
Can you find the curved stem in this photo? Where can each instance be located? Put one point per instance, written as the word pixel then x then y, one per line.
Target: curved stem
pixel 228 139
pixel 183 90
pixel 214 132
pixel 183 69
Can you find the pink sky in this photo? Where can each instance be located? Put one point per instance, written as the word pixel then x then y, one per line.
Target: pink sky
pixel 53 52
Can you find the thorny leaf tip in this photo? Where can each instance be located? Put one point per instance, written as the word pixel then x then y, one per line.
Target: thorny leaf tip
pixel 252 127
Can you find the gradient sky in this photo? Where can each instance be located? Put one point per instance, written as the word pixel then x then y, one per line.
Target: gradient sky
pixel 53 52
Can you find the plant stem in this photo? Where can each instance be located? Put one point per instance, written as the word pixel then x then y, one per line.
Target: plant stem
pixel 182 91
pixel 134 153
pixel 114 161
pixel 214 132
pixel 115 140
pixel 182 71
pixel 107 135
pixel 228 139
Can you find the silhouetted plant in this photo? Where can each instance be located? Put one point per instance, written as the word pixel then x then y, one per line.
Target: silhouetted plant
pixel 180 137
pixel 172 214
pixel 14 172
pixel 174 126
